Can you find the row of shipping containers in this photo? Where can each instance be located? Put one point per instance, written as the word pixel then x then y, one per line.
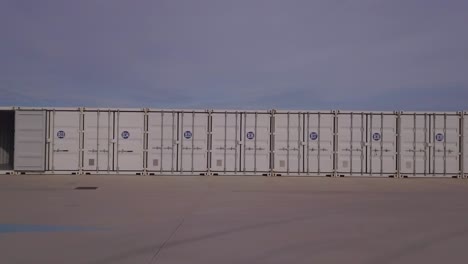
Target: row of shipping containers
pixel 214 142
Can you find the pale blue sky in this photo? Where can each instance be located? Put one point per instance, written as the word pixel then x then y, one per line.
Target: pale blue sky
pixel 246 54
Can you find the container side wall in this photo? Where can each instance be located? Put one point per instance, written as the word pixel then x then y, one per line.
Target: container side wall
pixel 98 131
pixel 465 144
pixel 445 147
pixel 319 142
pixel 414 144
pixel 382 141
pixel 225 151
pixel 129 134
pixel 193 142
pixel 162 137
pixel 65 133
pixel 256 143
pixel 289 132
pixel 351 145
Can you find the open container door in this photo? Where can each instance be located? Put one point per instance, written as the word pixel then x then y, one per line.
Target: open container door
pixel 29 140
pixel 7 140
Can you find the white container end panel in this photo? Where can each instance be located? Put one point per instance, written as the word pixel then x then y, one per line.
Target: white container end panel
pixel 162 138
pixel 351 144
pixel 225 147
pixel 97 141
pixel 319 143
pixel 382 144
pixel 64 140
pixel 129 140
pixel 255 141
pixel 429 145
pixel 193 142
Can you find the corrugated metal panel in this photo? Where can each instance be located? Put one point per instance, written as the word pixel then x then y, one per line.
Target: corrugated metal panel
pixel 382 144
pixel 7 127
pixel 429 144
pixel 162 141
pixel 193 138
pixel 64 148
pixel 29 140
pixel 288 145
pixel 367 144
pixel 129 137
pixel 226 133
pixel 351 145
pixel 97 137
pixel 319 143
pixel 255 140
pixel 446 145
pixel 413 137
pixel 464 125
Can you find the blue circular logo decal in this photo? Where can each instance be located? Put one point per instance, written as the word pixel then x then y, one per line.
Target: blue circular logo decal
pixel 376 136
pixel 313 135
pixel 188 134
pixel 61 134
pixel 439 137
pixel 250 135
pixel 125 134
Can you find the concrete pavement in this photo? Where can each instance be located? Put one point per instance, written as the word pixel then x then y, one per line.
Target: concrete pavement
pixel 185 219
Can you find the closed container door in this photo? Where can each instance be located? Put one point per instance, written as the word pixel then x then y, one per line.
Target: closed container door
pixel 446 146
pixel 30 135
pixel 256 142
pixel 319 143
pixel 129 138
pixel 98 134
pixel 162 137
pixel 225 150
pixel 414 144
pixel 193 142
pixel 382 144
pixel 289 132
pixel 351 143
pixel 65 136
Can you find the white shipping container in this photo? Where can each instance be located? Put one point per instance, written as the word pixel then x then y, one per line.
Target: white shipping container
pixel 234 142
pixel 367 144
pixel 129 140
pixel 162 137
pixel 193 138
pixel 225 139
pixel 64 137
pixel 97 138
pixel 429 144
